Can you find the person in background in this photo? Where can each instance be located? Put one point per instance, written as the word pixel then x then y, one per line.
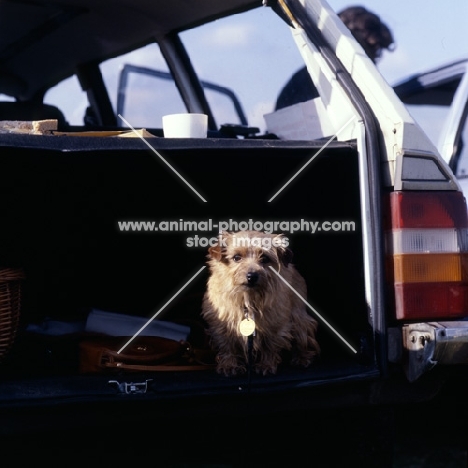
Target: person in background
pixel 372 34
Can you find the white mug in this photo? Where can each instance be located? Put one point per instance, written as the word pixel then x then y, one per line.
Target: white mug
pixel 185 125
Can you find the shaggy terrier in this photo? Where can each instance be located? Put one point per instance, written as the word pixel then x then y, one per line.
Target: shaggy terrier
pixel 247 295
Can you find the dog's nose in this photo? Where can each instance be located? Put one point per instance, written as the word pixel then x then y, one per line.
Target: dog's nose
pixel 252 277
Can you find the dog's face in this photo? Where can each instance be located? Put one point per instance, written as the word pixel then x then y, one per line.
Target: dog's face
pixel 245 258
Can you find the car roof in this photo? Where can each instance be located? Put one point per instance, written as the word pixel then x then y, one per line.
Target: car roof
pixel 436 86
pixel 43 42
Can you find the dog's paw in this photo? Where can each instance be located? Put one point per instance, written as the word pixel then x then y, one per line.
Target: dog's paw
pixel 229 366
pixel 268 363
pixel 265 369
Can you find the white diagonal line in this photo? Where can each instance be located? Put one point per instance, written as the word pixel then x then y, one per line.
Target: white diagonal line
pixel 162 159
pixel 311 159
pixel 314 311
pixel 161 309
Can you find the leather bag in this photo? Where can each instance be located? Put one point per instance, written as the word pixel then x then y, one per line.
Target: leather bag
pixel 146 353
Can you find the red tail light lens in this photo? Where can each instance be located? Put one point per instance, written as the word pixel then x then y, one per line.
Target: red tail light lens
pixel 427 246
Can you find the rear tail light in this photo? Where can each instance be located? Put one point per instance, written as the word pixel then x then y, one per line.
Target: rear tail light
pixel 427 259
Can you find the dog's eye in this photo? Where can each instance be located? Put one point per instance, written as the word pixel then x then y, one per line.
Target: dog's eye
pixel 237 258
pixel 265 259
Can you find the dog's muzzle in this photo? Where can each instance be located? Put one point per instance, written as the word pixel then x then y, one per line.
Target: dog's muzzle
pixel 252 278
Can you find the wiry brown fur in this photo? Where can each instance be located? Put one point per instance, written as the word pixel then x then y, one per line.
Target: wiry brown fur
pixel 281 319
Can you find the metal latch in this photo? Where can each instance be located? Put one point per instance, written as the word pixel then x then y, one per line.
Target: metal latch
pixel 420 344
pixel 428 344
pixel 131 388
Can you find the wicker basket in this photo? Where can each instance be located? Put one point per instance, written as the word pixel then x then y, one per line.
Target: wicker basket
pixel 10 304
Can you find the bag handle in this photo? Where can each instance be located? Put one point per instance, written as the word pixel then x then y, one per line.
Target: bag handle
pixel 176 349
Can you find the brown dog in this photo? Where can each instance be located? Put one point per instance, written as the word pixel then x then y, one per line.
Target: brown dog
pixel 243 292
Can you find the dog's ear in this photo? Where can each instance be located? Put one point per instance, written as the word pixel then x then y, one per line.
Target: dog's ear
pixel 285 254
pixel 217 251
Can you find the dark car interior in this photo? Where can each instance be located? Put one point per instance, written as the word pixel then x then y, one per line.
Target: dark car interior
pixel 75 259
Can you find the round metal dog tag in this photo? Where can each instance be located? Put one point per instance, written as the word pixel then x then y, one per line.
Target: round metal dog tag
pixel 247 327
